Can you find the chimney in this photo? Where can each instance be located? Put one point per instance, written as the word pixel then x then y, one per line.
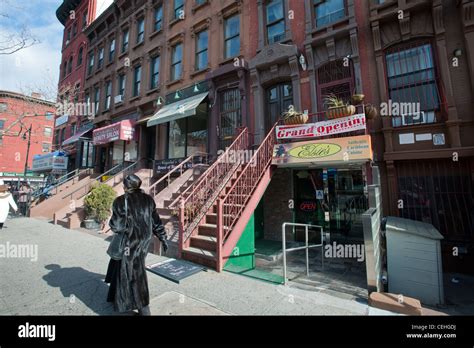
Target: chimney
pixel 37 95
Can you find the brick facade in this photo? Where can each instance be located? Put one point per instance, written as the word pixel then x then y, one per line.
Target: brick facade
pixel 15 107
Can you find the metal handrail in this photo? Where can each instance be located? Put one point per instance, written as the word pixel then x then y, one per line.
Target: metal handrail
pixel 206 173
pixel 205 191
pixel 180 167
pixel 78 173
pixel 125 170
pixel 96 179
pixel 232 212
pixel 306 247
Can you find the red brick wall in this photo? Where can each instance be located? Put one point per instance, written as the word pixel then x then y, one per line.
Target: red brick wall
pixel 77 74
pixel 13 148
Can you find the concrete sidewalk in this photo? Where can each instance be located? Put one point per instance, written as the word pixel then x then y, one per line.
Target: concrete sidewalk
pixel 67 279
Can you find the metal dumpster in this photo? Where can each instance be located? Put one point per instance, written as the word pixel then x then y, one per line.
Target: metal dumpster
pixel 414 260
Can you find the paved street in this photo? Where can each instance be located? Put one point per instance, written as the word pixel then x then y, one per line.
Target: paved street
pixel 67 279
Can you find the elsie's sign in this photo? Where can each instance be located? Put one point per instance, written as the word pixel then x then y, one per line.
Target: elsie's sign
pixel 320 129
pixel 331 151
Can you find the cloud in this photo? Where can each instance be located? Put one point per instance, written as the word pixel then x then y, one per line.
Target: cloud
pixel 35 67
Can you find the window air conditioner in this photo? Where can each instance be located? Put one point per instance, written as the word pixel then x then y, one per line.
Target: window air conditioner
pixel 118 99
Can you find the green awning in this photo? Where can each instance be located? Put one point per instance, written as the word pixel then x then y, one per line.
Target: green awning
pixel 180 109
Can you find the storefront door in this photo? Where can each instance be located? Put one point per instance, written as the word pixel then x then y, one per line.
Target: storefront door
pixel 332 198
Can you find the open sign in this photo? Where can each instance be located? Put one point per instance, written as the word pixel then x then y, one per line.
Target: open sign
pixel 308 206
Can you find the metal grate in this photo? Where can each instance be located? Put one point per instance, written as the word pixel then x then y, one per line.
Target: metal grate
pixel 439 192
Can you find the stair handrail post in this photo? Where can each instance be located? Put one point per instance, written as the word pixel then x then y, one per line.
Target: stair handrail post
pixel 219 234
pixel 181 228
pixel 259 156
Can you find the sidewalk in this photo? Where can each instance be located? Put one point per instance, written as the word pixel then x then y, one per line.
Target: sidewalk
pixel 67 279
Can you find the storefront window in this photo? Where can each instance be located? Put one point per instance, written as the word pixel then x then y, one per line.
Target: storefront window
pixel 188 135
pixel 197 133
pixel 177 138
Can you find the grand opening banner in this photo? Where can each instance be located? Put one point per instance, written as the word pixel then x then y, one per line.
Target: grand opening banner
pixel 323 128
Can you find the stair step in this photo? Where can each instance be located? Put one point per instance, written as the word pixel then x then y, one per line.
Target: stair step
pixel 201 257
pixel 208 230
pixel 201 252
pixel 204 242
pixel 211 218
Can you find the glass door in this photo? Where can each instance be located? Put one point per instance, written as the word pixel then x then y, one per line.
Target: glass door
pixel 332 198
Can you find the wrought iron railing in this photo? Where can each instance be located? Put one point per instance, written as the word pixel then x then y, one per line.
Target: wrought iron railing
pixel 198 198
pixel 180 168
pixel 231 205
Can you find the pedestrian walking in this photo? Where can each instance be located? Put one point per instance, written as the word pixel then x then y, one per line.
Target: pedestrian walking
pixel 6 200
pixel 24 198
pixel 134 220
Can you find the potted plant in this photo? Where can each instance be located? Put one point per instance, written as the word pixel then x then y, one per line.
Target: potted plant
pixel 357 99
pixel 370 111
pixel 294 117
pixel 337 108
pixel 97 205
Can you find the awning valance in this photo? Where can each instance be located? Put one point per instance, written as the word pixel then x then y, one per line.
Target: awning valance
pixel 123 130
pixel 78 135
pixel 180 109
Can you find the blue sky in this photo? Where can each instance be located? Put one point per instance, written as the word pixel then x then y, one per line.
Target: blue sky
pixel 36 67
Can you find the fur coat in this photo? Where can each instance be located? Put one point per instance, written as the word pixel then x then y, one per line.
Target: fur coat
pixel 132 284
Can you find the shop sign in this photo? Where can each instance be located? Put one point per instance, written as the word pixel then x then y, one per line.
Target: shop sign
pixel 164 166
pixel 61 120
pixel 123 130
pixel 343 150
pixel 308 206
pixel 50 162
pixel 324 128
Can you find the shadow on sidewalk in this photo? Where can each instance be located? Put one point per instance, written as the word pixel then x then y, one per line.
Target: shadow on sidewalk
pixel 76 283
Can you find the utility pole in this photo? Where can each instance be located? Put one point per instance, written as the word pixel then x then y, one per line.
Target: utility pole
pixel 27 150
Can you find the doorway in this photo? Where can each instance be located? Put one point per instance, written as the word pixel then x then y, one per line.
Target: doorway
pixel 279 98
pixel 230 117
pixel 332 198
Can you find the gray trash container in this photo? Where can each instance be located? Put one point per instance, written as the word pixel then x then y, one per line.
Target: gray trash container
pixel 414 265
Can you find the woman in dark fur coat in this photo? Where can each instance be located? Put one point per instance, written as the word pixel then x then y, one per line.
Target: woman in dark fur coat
pixel 127 277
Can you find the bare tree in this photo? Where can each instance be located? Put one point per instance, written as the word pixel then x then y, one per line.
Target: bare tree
pixel 12 41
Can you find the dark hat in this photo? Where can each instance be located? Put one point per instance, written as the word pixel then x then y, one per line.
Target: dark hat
pixel 132 182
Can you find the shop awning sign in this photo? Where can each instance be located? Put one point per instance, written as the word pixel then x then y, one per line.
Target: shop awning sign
pixel 123 130
pixel 356 149
pixel 320 129
pixel 54 161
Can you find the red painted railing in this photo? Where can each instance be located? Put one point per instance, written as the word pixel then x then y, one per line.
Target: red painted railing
pixel 203 194
pixel 231 205
pixel 181 168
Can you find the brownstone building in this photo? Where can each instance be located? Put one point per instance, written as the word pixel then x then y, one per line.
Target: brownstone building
pixel 424 56
pixel 150 59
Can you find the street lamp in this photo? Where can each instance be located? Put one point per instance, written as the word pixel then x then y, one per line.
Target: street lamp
pixel 27 149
